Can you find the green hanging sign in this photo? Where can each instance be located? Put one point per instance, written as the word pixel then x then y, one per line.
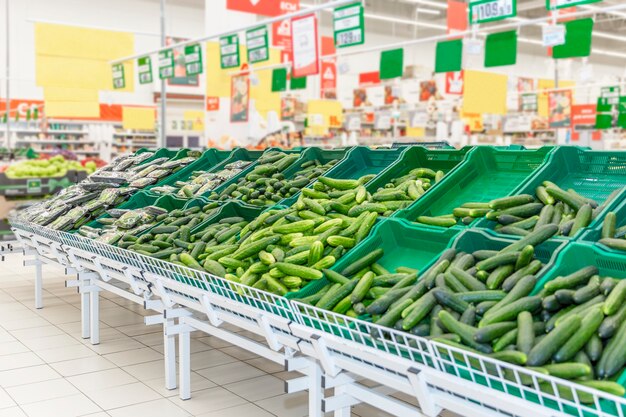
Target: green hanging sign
pixel 118 76
pixel 193 59
pixel 529 102
pixel 166 64
pixel 482 11
pixel 144 67
pixel 229 51
pixel 349 25
pixel 609 98
pixel 559 4
pixel 257 44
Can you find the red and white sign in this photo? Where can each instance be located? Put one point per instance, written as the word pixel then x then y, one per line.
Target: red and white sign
pixel 264 7
pixel 212 103
pixel 583 114
pixel 454 82
pixel 304 46
pixel 368 79
pixel 281 34
pixel 328 86
pixel 457 16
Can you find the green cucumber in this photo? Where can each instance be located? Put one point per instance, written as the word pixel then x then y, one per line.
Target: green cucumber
pixel 525 332
pixel 535 238
pixel 362 287
pixel 363 262
pixel 594 347
pixel 511 310
pixel 506 202
pixel 303 272
pixel 586 293
pixel 619 244
pixel 467 280
pixel 611 323
pixel 498 260
pixel 588 327
pixel 582 219
pixel 450 300
pixel 571 281
pixel 570 370
pixel 437 221
pixel 498 275
pixel 489 333
pixel 464 331
pixel 480 296
pixel 543 351
pixel 608 225
pixel 511 356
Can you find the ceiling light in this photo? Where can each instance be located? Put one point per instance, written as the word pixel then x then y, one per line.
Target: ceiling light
pixel 429 3
pixel 428 11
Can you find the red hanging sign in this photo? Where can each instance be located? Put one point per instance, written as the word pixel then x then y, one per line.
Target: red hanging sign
pixel 212 103
pixel 368 79
pixel 457 16
pixel 264 7
pixel 304 46
pixel 583 114
pixel 454 82
pixel 328 86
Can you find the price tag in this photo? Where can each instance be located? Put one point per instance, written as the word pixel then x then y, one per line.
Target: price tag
pixel 419 119
pixel 482 11
pixel 229 51
pixel 348 25
pixel 473 46
pixel 193 59
pixel 118 76
pixel 383 121
pixel 553 35
pixel 529 102
pixel 609 98
pixel 305 52
pixel 166 64
pixel 144 67
pixel 559 4
pixel 257 43
pixel 34 185
pixel 353 122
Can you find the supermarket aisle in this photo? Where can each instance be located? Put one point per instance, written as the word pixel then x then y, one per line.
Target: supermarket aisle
pixel 47 369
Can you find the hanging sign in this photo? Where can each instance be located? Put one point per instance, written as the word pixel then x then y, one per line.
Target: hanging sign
pixel 482 11
pixel 212 103
pixel 454 82
pixel 553 35
pixel 305 48
pixel 229 51
pixel 529 102
pixel 352 122
pixel 264 7
pixel 257 43
pixel 559 4
pixel 144 66
pixel 609 97
pixel 382 120
pixel 193 59
pixel 118 76
pixel 166 64
pixel 348 25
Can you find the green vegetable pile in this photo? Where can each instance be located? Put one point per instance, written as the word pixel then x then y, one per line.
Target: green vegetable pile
pixel 614 238
pixel 575 328
pixel 266 185
pixel 521 214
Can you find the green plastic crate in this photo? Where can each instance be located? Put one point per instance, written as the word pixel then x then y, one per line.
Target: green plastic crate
pixel 230 209
pixel 404 243
pixel 429 145
pixel 487 173
pixel 210 160
pixel 594 233
pixel 362 160
pixel 593 174
pixel 247 155
pixel 413 157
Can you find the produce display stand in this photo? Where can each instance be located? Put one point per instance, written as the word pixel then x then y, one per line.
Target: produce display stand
pixel 37 187
pixel 334 351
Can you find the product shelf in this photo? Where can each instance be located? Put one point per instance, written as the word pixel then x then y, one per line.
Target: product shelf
pixel 487 173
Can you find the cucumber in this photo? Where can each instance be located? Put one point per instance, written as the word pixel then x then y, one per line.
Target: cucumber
pixel 580 310
pixel 543 195
pixel 450 300
pixel 611 324
pixel 483 307
pixel 363 262
pixel 520 290
pixel 393 314
pixel 588 327
pixel 565 297
pixel 498 275
pixel 420 310
pixel 614 355
pixel 571 370
pixel 511 356
pixel 543 351
pixel 511 310
pixel 594 347
pixel 342 292
pixel 465 332
pixel 362 287
pixel 608 225
pixel 295 227
pixel 437 221
pixel 606 386
pixel 545 216
pixel 510 338
pixel 619 244
pixel 467 280
pixel 550 303
pixel 561 195
pixel 164 229
pixel 189 261
pixel 254 248
pixel 453 283
pixel 615 298
pixel 380 305
pixel 339 184
pixel 525 257
pixel 511 230
pixel 589 291
pixel 582 219
pixel 325 262
pixel 214 267
pixel 346 242
pixel 525 210
pixel 535 238
pixel 498 260
pixel 481 296
pixel 469 316
pixel 571 281
pixel 303 272
pixel 386 280
pixel 525 332
pixel 489 333
pixel 506 202
pixel 607 285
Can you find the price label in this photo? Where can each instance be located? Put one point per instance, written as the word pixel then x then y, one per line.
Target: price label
pixel 119 80
pixel 304 46
pixel 473 46
pixel 166 64
pixel 144 67
pixel 33 185
pixel 229 51
pixel 553 35
pixel 193 59
pixel 609 98
pixel 419 119
pixel 257 43
pixel 529 102
pixel 353 122
pixel 348 25
pixel 482 11
pixel 559 4
pixel 383 121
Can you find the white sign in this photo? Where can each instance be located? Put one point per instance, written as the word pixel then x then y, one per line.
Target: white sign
pixel 473 46
pixel 553 35
pixel 353 122
pixel 419 119
pixel 316 120
pixel 304 46
pixel 383 121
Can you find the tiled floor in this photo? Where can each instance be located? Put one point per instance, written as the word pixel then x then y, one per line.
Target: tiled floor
pixel 47 369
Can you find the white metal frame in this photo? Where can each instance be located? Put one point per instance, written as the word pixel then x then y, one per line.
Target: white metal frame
pixel 329 349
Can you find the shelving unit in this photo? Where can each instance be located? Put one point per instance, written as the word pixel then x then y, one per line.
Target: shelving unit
pixel 125 141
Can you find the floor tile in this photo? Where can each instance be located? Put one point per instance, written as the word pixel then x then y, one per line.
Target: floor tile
pixel 19 360
pixel 265 365
pixel 101 380
pixel 247 410
pixel 28 375
pixel 239 353
pixel 51 342
pixel 9 348
pixel 158 408
pixel 231 372
pixel 210 358
pixel 147 370
pixel 12 412
pixel 123 395
pixel 5 400
pixel 72 406
pixel 209 400
pixel 198 383
pixel 287 405
pixel 135 356
pixel 82 365
pixel 65 353
pixel 258 388
pixel 41 391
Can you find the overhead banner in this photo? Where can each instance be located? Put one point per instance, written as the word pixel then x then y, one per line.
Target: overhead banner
pixel 229 51
pixel 349 25
pixel 482 11
pixel 264 7
pixel 304 46
pixel 144 66
pixel 457 16
pixel 257 44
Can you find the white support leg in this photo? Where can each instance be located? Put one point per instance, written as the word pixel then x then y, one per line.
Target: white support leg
pixel 343 411
pixel 169 351
pixel 38 284
pixel 84 315
pixel 94 316
pixel 184 364
pixel 316 392
pixel 422 391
